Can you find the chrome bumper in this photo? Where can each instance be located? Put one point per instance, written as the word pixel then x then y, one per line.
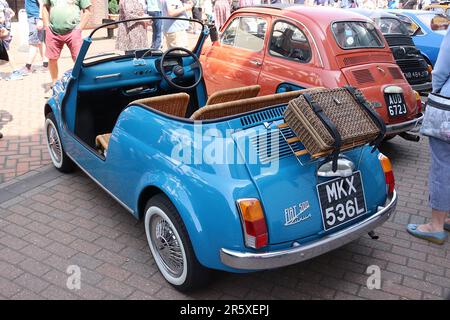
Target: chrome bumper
pixel 410 125
pixel 275 259
pixel 427 86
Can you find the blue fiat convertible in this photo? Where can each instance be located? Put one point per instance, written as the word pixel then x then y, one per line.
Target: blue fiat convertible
pixel 221 182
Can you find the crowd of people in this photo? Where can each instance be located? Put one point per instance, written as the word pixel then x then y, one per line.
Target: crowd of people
pixel 63 26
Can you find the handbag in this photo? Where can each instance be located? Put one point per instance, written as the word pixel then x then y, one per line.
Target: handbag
pixel 436 121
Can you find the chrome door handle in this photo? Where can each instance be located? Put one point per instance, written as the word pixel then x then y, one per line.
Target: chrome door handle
pixel 256 62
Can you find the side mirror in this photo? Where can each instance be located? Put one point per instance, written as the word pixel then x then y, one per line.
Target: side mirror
pixel 213 33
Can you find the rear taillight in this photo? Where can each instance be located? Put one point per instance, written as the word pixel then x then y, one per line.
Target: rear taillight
pixel 418 102
pixel 388 174
pixel 253 222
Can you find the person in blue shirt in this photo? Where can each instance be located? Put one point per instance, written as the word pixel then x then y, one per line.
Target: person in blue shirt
pixel 154 10
pixel 35 35
pixel 439 176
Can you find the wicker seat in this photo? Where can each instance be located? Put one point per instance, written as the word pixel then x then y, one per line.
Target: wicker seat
pixel 233 94
pixel 245 105
pixel 174 104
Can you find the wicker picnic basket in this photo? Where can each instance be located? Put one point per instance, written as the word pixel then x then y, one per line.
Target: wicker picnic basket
pixel 330 120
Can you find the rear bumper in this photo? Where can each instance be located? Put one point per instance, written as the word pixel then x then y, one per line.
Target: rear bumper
pixel 427 86
pixel 275 259
pixel 410 125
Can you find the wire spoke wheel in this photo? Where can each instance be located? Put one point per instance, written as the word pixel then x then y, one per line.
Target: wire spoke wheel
pixel 167 245
pixel 54 143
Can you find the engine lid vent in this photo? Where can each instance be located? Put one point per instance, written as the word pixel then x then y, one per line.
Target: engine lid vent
pixel 363 76
pixel 395 73
pixel 364 59
pixel 263 116
pixel 272 144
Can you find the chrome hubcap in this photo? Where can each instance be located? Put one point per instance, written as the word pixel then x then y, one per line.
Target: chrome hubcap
pixel 167 245
pixel 54 143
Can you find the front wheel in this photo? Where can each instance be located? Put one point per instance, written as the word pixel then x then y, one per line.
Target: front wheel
pixel 171 247
pixel 59 157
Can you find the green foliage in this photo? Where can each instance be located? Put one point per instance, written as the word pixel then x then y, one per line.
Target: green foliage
pixel 113 6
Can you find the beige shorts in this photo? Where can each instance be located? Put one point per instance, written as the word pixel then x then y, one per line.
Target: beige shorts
pixel 176 39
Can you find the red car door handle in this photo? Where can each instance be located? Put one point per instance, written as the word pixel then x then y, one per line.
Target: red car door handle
pixel 256 62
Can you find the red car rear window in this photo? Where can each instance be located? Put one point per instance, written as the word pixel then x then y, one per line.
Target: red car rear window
pixel 356 34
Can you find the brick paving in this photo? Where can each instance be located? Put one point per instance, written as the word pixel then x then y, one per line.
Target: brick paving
pixel 49 221
pixel 22 148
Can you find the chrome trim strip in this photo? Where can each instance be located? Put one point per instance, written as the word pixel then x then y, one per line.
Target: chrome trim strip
pixel 404 126
pixel 269 260
pixel 101 186
pixel 422 86
pixel 107 76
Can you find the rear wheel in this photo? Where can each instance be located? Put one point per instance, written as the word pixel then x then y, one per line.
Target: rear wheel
pixel 171 247
pixel 55 148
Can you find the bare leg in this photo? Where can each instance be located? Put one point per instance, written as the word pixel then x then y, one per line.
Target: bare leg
pixel 32 54
pixel 438 218
pixel 12 65
pixel 41 53
pixel 53 68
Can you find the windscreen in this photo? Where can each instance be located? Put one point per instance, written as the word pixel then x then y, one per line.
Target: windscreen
pixel 391 26
pixel 148 36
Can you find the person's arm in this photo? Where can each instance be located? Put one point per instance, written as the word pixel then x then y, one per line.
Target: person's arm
pixel 172 11
pixel 441 72
pixel 46 13
pixel 85 15
pixel 40 23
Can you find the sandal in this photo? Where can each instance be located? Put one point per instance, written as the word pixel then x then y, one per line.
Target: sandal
pixel 435 237
pixel 447 226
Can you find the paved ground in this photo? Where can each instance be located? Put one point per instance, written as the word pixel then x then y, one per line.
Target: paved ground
pixel 50 221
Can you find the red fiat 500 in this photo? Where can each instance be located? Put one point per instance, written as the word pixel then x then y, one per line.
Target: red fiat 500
pixel 285 48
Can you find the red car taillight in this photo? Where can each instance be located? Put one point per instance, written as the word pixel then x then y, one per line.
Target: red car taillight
pixel 388 174
pixel 418 102
pixel 253 222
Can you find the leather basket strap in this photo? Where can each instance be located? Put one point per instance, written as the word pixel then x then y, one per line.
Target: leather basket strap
pixel 372 114
pixel 329 125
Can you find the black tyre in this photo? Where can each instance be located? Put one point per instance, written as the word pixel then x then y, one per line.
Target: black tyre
pixel 59 157
pixel 171 247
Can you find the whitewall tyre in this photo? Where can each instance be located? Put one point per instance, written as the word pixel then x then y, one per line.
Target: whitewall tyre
pixel 171 247
pixel 57 154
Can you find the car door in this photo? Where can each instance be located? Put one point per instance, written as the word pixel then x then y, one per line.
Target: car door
pixel 236 59
pixel 290 58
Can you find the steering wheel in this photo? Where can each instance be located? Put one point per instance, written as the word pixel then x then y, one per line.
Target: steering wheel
pixel 179 71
